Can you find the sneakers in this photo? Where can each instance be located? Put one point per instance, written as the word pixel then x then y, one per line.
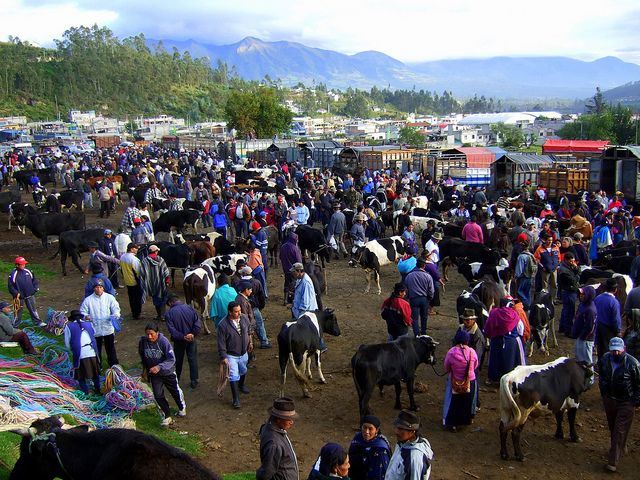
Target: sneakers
pixel 611 468
pixel 166 422
pixel 182 413
pixel 41 324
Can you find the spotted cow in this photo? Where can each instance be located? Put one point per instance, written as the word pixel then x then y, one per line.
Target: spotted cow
pixel 377 253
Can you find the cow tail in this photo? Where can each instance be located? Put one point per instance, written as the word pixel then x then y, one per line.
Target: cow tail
pixel 510 414
pixel 58 251
pixel 300 377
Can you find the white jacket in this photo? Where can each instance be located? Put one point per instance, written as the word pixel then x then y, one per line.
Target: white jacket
pixel 100 309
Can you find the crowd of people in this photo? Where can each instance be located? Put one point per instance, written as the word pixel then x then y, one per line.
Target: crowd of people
pixel 541 260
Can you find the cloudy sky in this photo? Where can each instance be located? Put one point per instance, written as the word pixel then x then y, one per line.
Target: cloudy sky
pixel 409 30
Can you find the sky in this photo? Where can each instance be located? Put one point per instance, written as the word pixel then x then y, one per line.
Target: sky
pixel 408 30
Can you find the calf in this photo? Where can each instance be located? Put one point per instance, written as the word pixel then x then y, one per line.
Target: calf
pixel 377 253
pixel 221 244
pixel 176 220
pixel 17 211
pixel 389 364
pixel 48 451
pixel 199 285
pixel 471 300
pixel 541 390
pixel 313 244
pixel 452 250
pixel 489 292
pixel 541 318
pixel 299 340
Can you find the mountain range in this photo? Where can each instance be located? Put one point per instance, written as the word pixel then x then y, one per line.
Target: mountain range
pixel 497 77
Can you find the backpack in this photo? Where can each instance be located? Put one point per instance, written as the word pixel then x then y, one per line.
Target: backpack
pixel 238 212
pixel 377 229
pixel 530 267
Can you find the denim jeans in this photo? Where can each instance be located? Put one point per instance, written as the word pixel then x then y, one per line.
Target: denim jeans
pixel 524 291
pixel 584 351
pixel 568 311
pixel 262 334
pixel 419 308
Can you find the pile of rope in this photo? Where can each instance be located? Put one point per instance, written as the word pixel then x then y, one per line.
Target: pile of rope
pixel 124 392
pixel 55 321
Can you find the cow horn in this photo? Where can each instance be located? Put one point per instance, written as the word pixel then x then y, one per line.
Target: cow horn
pixel 329 310
pixel 25 432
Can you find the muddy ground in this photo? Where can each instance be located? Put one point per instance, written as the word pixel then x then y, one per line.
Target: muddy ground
pixel 230 437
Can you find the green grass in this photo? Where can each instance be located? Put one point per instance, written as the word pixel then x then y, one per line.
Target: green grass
pixel 40 272
pixel 240 476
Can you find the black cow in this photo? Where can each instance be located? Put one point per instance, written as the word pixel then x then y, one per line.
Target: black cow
pixel 452 250
pixel 7 198
pixel 541 319
pixel 620 264
pixel 47 451
pixel 488 292
pixel 17 211
pixel 44 224
pixel 501 273
pixel 538 390
pixel 317 278
pixel 176 220
pixel 591 272
pixel 299 340
pixel 221 244
pixel 69 198
pixel 273 242
pixel 312 242
pixel 75 242
pixel 23 177
pixel 160 204
pixel 389 364
pixel 376 254
pixel 176 256
pixel 471 300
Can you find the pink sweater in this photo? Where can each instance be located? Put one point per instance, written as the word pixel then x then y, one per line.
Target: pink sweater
pixel 455 362
pixel 472 232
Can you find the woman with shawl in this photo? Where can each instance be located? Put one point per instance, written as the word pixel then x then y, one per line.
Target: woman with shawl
pixel 333 462
pixel 370 452
pixel 461 361
pixel 504 329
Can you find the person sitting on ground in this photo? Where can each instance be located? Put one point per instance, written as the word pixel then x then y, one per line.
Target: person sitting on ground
pixel 8 333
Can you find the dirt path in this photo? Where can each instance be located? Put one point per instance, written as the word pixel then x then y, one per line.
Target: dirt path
pixel 231 436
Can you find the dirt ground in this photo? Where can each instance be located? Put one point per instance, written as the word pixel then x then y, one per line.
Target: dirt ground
pixel 230 436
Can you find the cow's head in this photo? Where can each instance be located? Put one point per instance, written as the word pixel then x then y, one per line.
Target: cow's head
pixel 330 323
pixel 589 374
pixel 427 350
pixel 464 269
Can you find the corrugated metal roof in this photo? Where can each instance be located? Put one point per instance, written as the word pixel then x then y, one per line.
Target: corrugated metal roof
pixel 635 149
pixel 530 162
pixel 499 152
pixel 509 118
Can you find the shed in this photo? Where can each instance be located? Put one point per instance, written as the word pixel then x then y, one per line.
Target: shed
pixel 517 168
pixel 355 159
pixel 319 153
pixel 617 168
pixel 475 157
pixel 579 149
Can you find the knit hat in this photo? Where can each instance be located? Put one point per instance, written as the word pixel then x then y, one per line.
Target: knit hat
pixel 462 337
pixel 372 420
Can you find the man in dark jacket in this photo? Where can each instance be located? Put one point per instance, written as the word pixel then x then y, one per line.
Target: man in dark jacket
pixel 547 256
pixel 289 255
pixel 620 388
pixel 584 328
pixel 23 284
pixel 396 311
pixel 108 247
pixel 278 459
pixel 183 324
pixel 569 282
pixel 234 346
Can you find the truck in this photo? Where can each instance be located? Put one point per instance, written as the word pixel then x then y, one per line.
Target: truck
pixel 617 169
pixel 105 141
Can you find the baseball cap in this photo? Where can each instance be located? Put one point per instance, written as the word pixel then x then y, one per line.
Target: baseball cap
pixel 297 267
pixel 21 261
pixel 154 248
pixel 522 237
pixel 4 305
pixel 245 271
pixel 616 344
pixel 531 221
pixel 107 231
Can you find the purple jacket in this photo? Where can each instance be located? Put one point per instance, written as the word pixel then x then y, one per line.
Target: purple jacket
pixel 419 284
pixel 432 269
pixel 290 253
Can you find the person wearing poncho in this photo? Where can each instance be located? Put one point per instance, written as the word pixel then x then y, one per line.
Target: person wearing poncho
pixel 369 452
pixel 504 329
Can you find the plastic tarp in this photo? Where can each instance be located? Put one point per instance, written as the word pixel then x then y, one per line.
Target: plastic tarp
pixel 530 163
pixel 570 146
pixel 499 152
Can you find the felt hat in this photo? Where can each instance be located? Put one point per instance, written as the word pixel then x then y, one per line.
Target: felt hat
pixel 437 236
pixel 284 408
pixel 407 421
pixel 296 267
pixel 468 314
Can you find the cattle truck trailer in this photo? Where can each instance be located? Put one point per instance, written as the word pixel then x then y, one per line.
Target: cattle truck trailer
pixel 617 169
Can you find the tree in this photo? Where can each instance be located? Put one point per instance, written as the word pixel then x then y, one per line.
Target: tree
pixel 131 127
pixel 511 136
pixel 257 113
pixel 596 105
pixel 357 106
pixel 410 136
pixel 241 113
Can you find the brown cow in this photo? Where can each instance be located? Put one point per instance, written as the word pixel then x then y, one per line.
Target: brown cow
pixel 625 284
pixel 94 181
pixel 203 250
pixel 580 224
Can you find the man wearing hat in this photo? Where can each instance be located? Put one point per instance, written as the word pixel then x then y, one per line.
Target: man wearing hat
pixel 23 285
pixel 8 333
pixel 99 258
pixel 155 280
pixel 131 273
pixel 234 345
pixel 432 246
pixel 609 322
pixel 336 230
pixel 97 273
pixel 412 456
pixel 619 383
pixel 477 341
pixel 582 258
pixel 101 309
pixel 357 231
pixel 278 460
pixel 108 247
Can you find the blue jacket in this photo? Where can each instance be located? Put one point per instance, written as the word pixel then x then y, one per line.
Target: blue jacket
pixel 419 284
pixel 608 309
pixel 108 287
pixel 75 330
pixel 181 320
pixel 22 282
pixel 159 353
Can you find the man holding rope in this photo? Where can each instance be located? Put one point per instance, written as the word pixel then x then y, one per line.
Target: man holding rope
pixel 23 286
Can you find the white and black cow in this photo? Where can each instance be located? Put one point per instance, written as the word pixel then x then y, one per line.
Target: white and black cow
pixel 176 220
pixel 390 363
pixel 221 244
pixel 541 319
pixel 588 273
pixel 377 253
pixel 199 286
pixel 17 211
pixel 541 390
pixel 471 300
pixel 300 340
pixel 488 292
pixel 501 273
pixel 225 263
pixel 453 250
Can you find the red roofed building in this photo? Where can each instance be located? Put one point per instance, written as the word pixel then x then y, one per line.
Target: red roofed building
pixel 574 146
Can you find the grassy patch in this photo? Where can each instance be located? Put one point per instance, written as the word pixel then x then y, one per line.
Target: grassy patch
pixel 39 271
pixel 148 421
pixel 240 476
pixel 9 453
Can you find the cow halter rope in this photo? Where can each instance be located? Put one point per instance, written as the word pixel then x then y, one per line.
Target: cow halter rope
pixel 51 440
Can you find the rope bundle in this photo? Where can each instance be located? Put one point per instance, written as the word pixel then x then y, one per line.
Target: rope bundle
pixel 55 321
pixel 124 392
